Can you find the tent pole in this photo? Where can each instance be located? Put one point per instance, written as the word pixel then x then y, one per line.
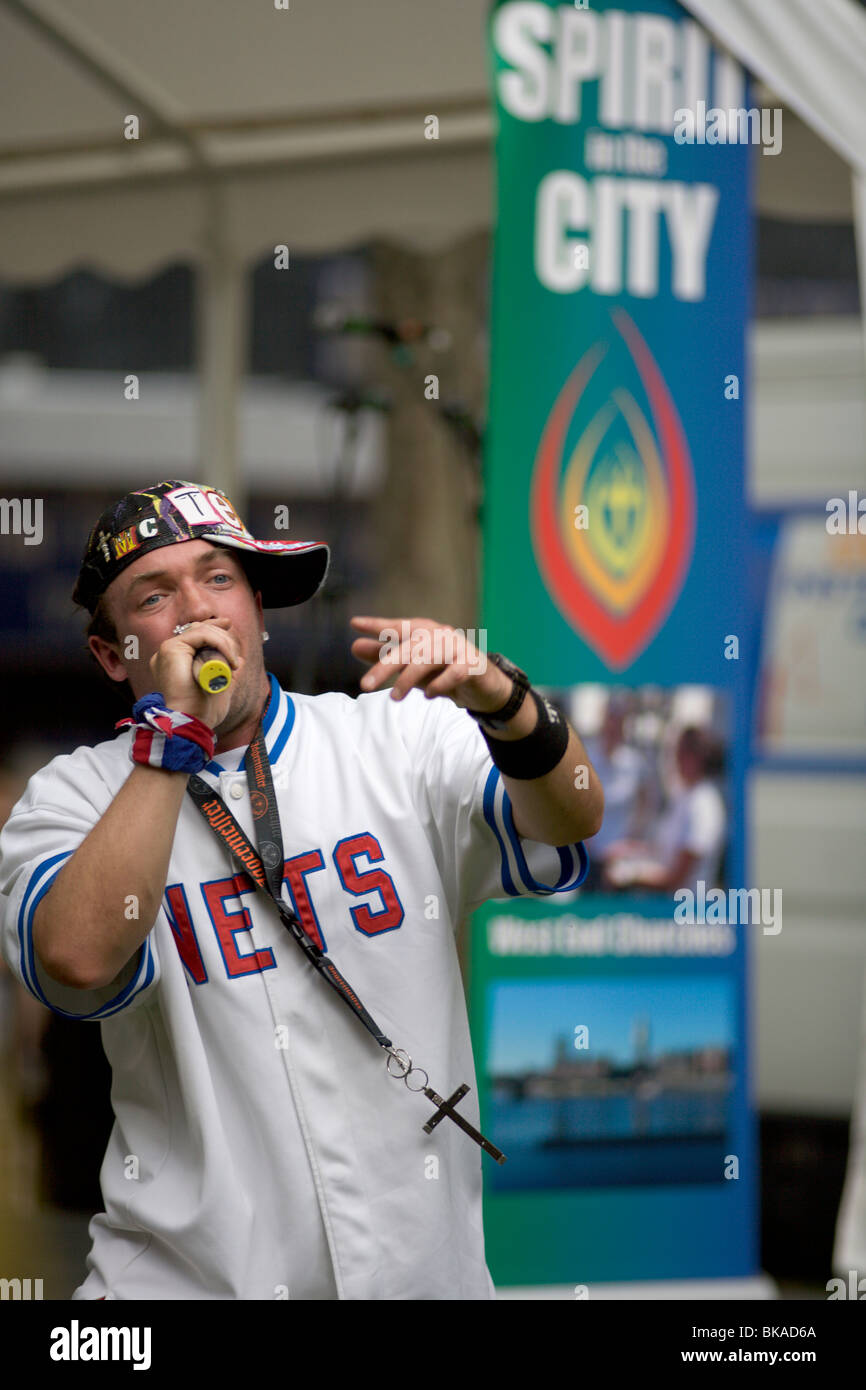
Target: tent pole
pixel 221 314
pixel 858 188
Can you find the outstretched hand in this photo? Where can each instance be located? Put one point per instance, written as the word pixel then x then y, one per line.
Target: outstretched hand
pixel 438 659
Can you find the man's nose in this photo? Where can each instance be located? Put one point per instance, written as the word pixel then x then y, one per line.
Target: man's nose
pixel 196 602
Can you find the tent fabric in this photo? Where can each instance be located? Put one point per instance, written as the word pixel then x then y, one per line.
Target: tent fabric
pixel 215 65
pixel 813 56
pixel 132 231
pixel 313 156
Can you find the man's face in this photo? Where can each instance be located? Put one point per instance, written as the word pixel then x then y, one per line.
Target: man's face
pixel 184 583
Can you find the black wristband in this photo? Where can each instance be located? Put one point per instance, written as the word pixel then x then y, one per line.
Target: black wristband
pixel 536 754
pixel 497 719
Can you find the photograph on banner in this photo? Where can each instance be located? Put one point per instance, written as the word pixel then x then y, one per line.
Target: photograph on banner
pixel 661 756
pixel 639 1091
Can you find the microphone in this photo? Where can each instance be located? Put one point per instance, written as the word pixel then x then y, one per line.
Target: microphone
pixel 211 670
pixel 209 667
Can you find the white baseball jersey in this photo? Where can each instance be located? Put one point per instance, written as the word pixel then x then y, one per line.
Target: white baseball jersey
pixel 260 1149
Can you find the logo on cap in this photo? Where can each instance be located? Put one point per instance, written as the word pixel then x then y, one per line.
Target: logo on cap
pixel 203 507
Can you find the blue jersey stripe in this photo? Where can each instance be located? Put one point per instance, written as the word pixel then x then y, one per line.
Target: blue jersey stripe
pixel 282 738
pixel 573 859
pixel 29 904
pixel 489 804
pixel 40 881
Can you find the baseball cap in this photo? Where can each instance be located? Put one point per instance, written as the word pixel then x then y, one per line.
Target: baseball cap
pixel 169 513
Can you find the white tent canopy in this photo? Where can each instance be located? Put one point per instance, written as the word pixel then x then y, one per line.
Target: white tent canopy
pixel 259 127
pixel 305 126
pixel 310 123
pixel 816 62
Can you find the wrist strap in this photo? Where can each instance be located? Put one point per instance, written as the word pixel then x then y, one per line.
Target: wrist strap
pixel 167 738
pixel 539 752
pixel 498 718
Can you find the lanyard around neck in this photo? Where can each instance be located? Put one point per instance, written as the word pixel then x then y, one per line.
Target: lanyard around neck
pixel 266 870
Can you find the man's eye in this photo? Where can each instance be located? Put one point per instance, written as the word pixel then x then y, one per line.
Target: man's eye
pixel 221 576
pixel 146 602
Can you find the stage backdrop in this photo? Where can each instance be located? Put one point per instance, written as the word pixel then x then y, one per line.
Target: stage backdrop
pixel 611 1038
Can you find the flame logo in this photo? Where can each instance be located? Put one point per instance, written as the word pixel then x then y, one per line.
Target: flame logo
pixel 613 531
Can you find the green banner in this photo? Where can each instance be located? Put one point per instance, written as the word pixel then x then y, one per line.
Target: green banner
pixel 610 1024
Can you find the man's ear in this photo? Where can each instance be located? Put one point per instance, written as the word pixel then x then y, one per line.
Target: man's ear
pixel 109 658
pixel 259 606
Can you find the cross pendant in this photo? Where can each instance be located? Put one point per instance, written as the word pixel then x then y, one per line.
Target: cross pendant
pixel 446 1107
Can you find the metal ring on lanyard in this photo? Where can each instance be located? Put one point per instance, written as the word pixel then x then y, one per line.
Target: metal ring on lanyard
pixel 404 1062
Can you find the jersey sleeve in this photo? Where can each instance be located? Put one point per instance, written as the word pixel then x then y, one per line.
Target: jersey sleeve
pixel 44 830
pixel 470 821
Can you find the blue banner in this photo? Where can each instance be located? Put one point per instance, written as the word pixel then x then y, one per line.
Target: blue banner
pixel 611 1028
